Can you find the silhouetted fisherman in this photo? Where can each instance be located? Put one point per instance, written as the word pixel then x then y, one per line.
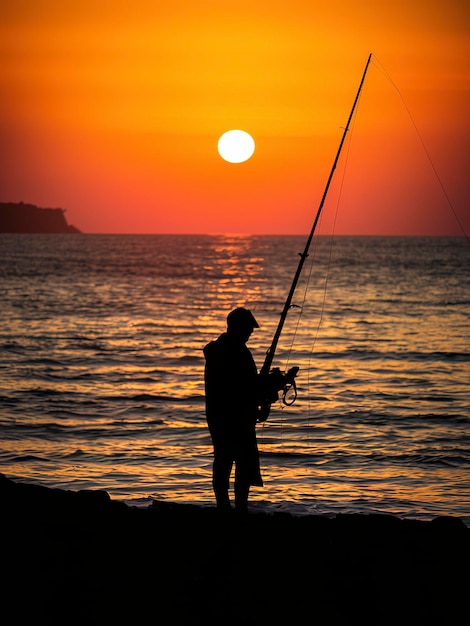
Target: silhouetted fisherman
pixel 232 388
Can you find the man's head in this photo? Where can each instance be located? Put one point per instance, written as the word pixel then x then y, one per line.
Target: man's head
pixel 241 322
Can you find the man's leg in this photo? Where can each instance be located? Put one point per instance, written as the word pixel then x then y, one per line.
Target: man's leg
pixel 242 489
pixel 221 470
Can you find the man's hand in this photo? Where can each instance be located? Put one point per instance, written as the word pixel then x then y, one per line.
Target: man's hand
pixel 263 412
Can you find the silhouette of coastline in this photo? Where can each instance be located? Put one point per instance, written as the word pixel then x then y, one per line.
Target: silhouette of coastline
pixel 18 217
pixel 84 556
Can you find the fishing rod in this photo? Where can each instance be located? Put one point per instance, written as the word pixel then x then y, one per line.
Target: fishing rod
pixel 289 378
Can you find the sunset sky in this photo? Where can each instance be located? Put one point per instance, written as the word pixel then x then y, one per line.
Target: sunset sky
pixel 112 110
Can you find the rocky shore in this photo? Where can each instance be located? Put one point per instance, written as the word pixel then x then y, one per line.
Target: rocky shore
pixel 18 217
pixel 81 557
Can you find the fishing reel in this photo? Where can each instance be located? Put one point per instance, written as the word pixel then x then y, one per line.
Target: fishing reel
pixel 274 383
pixel 289 390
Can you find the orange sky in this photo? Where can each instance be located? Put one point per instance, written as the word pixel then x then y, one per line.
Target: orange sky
pixel 113 110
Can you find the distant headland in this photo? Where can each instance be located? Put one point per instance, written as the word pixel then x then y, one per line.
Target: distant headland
pixel 18 217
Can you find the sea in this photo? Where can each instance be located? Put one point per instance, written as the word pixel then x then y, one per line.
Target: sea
pixel 101 367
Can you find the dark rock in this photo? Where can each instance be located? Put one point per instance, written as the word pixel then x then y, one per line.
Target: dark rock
pixel 28 218
pixel 449 524
pixel 80 557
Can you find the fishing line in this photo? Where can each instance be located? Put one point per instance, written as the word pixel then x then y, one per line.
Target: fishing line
pixel 379 65
pixel 328 268
pixel 315 244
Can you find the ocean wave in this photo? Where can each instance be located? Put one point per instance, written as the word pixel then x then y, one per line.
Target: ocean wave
pixel 31 458
pixel 150 398
pixel 412 356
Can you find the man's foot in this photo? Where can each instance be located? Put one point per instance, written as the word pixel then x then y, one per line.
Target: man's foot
pixel 241 509
pixel 224 507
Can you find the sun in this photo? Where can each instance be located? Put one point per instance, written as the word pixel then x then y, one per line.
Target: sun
pixel 236 146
